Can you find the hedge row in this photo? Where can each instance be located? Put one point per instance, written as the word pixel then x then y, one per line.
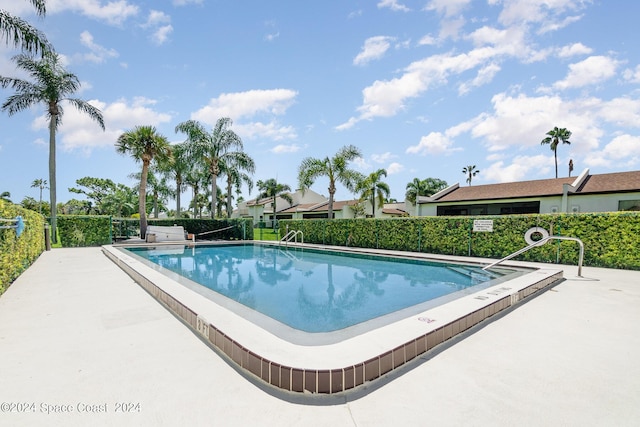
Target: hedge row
pixel 18 253
pixel 92 230
pixel 610 239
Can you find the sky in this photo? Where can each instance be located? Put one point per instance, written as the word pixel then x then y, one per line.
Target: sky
pixel 422 88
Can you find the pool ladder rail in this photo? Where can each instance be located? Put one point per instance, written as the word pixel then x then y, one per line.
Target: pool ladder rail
pixel 293 235
pixel 540 243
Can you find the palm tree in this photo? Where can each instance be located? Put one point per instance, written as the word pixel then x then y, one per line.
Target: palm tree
pixel 195 178
pixel 235 166
pixel 335 168
pixel 158 186
pixel 273 189
pixel 144 144
pixel 425 187
pixel 177 170
pixel 52 85
pixel 18 32
pixel 372 187
pixel 470 171
pixel 554 137
pixel 41 184
pixel 212 147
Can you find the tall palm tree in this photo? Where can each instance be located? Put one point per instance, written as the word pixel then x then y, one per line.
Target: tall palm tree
pixel 554 137
pixel 41 184
pixel 177 170
pixel 195 178
pixel 470 171
pixel 335 168
pixel 157 186
pixel 19 33
pixel 236 168
pixel 423 187
pixel 51 86
pixel 143 144
pixel 273 189
pixel 373 188
pixel 211 147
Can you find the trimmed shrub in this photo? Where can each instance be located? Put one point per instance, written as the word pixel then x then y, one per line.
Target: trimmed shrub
pixel 610 239
pixel 18 253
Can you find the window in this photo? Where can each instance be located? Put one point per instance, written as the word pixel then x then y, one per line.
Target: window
pixel 629 205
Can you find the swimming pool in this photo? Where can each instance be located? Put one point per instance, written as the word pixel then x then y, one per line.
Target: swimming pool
pixel 319 291
pixel 326 362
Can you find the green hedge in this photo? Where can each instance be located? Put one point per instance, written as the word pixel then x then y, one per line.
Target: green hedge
pixel 18 253
pixel 84 230
pixel 610 239
pixel 93 230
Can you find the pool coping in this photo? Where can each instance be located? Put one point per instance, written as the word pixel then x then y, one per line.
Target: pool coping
pixel 336 367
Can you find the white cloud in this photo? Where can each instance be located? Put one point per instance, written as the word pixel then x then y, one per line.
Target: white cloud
pixel 156 17
pixel 394 168
pixel 427 40
pixel 623 150
pixel 521 168
pixel 393 5
pixel 113 12
pixel 271 130
pixel 161 35
pixel 548 26
pixel 620 111
pixel 80 132
pixel 526 11
pixel 592 70
pixel 383 158
pixel 434 143
pixel 485 76
pixel 285 148
pixel 239 105
pixel 521 121
pixel 271 37
pixel 361 164
pixel 186 2
pixel 374 48
pixel 159 24
pixel 447 7
pixel 632 75
pixel 574 50
pixel 98 54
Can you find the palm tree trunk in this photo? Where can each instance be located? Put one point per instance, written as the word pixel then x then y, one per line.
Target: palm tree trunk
pixel 274 213
pixel 52 177
pixel 229 188
pixel 178 187
pixel 142 203
pixel 214 194
pixel 373 204
pixel 330 213
pixel 555 155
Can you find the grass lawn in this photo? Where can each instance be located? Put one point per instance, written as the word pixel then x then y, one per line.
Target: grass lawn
pixel 265 234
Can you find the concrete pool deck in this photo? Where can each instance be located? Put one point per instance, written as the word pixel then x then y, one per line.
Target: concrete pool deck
pixel 81 340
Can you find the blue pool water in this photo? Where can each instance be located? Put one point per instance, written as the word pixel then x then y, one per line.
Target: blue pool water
pixel 311 290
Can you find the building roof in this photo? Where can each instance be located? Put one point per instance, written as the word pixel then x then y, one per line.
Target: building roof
pixel 611 182
pixel 584 184
pixel 319 207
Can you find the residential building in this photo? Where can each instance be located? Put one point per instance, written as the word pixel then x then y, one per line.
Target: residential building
pixel 609 192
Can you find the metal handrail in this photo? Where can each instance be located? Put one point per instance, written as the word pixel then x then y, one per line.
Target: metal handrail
pixel 540 243
pixel 293 234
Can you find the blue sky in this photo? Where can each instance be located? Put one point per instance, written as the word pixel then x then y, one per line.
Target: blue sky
pixel 423 88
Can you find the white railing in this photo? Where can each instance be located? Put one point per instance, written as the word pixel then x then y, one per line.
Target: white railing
pixel 293 235
pixel 540 243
